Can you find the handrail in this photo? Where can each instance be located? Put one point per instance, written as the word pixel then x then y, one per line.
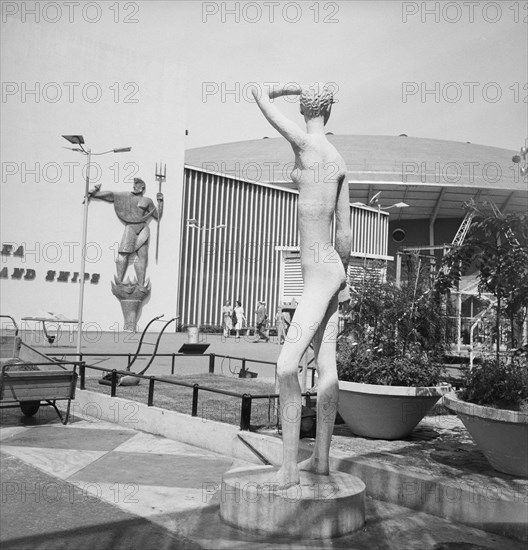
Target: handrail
pixel 12 320
pixel 47 363
pixel 247 398
pixel 246 359
pixel 139 354
pixel 167 323
pixel 176 383
pixel 141 340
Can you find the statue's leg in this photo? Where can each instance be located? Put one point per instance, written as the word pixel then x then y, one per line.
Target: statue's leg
pixel 327 390
pixel 121 266
pixel 319 291
pixel 140 265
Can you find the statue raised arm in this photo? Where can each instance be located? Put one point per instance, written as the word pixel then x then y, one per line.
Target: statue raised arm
pixel 320 174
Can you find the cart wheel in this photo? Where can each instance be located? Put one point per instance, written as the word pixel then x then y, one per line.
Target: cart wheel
pixel 29 408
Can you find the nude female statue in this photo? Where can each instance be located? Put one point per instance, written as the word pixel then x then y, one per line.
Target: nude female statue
pixel 320 174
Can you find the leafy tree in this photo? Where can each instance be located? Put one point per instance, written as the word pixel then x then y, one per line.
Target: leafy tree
pixel 395 336
pixel 497 247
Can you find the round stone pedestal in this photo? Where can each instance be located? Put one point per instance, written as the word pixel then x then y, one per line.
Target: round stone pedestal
pixel 320 507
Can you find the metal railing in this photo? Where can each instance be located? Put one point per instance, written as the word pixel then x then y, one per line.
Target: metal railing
pixel 130 355
pixel 246 398
pixel 212 359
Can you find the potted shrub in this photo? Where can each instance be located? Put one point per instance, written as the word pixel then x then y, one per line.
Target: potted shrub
pixel 389 359
pixel 493 405
pixel 494 409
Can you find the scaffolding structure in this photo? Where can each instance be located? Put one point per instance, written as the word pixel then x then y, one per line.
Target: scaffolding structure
pixel 478 318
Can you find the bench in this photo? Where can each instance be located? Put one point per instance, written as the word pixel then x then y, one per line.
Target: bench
pixel 29 378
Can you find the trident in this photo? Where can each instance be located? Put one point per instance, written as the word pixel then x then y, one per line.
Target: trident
pixel 161 175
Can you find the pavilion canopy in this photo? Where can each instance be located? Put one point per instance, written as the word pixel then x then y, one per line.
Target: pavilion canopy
pixel 434 177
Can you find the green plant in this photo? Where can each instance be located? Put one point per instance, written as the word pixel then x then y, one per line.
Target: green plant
pixel 360 364
pixel 395 318
pixel 497 247
pixel 395 336
pixel 498 384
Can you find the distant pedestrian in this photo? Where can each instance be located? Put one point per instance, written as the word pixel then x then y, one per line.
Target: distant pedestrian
pixel 262 321
pixel 282 320
pixel 227 318
pixel 240 317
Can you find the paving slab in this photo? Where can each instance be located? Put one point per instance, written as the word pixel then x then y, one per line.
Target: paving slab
pixel 166 470
pixel 161 494
pixel 39 512
pixel 61 463
pixel 159 506
pixel 55 437
pixel 147 443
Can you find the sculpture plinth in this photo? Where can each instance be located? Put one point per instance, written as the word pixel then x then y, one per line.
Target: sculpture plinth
pixel 131 295
pixel 319 507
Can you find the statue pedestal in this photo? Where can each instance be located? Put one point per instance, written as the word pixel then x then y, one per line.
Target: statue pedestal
pixel 320 507
pixel 130 295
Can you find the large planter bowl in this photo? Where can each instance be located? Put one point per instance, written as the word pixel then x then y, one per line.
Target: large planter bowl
pixel 500 434
pixel 385 412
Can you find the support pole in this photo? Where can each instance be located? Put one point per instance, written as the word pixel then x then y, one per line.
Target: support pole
pixel 83 256
pixel 304 373
pixel 245 412
pixel 459 321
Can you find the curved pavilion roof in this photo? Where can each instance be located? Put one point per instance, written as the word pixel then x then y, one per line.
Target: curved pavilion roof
pixel 435 177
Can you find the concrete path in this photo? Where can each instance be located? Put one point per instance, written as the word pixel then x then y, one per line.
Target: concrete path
pixel 93 484
pixel 96 485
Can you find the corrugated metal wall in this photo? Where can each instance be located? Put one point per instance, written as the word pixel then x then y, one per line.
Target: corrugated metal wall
pixel 240 261
pixel 291 277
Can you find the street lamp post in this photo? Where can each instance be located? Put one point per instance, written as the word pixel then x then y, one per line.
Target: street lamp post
pixel 83 254
pixel 79 140
pixel 522 157
pixel 193 224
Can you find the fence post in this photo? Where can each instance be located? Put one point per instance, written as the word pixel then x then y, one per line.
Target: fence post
pixel 114 383
pixel 129 359
pixel 244 364
pixel 194 411
pixel 211 363
pixel 308 400
pixel 172 364
pixel 151 392
pixel 245 412
pixel 82 372
pixel 313 377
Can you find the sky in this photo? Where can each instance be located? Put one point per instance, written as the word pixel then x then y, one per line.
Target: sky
pixel 383 58
pixel 446 70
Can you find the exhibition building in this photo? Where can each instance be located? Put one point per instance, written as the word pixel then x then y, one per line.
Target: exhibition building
pixel 229 227
pixel 406 194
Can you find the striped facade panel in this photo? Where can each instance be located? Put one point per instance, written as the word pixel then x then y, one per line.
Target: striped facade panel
pixel 370 230
pixel 239 261
pixel 291 279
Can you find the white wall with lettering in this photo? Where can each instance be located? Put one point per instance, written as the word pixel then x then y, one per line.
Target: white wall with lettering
pixel 100 80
